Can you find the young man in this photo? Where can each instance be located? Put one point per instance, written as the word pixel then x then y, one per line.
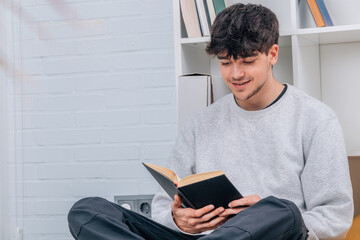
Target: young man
pixel 270 139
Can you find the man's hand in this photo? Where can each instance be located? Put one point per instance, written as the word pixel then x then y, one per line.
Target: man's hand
pixel 238 205
pixel 196 221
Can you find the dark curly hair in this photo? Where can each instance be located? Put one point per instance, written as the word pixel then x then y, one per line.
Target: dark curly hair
pixel 241 31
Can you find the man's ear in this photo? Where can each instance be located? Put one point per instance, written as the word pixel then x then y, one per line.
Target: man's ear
pixel 273 54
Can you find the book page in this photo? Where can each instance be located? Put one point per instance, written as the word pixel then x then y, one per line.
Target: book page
pixel 198 177
pixel 165 172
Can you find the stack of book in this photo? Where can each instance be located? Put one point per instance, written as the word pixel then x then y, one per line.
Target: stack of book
pixel 199 15
pixel 320 13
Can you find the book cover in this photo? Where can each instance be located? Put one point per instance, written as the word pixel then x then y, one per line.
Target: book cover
pixel 219 5
pixel 190 18
pixel 315 11
pixel 197 190
pixel 166 182
pixel 203 19
pixel 324 12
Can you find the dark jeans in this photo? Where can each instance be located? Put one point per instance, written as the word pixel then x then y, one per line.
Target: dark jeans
pixel 271 219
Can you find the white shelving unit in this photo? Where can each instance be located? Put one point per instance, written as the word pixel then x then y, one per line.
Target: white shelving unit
pixel 323 62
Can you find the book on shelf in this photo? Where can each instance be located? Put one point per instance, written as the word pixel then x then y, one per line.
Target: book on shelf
pixel 219 5
pixel 197 190
pixel 211 11
pixel 195 93
pixel 315 12
pixel 190 18
pixel 324 13
pixel 203 17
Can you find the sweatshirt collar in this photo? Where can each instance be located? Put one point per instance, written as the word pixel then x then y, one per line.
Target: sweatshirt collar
pixel 274 106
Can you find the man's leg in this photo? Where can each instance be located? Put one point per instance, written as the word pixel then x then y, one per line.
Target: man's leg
pixel 270 218
pixel 98 219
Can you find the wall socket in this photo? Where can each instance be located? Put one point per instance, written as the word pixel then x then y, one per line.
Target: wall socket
pixel 138 203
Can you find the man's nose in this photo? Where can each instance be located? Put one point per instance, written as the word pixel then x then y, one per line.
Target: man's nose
pixel 237 73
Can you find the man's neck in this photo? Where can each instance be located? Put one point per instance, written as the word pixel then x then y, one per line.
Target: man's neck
pixel 267 94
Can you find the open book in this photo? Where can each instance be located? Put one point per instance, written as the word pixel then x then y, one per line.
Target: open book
pixel 197 190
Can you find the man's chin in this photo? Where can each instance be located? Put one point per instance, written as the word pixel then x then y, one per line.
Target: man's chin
pixel 241 97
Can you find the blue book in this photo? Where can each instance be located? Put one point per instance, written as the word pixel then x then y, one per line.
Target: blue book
pixel 324 12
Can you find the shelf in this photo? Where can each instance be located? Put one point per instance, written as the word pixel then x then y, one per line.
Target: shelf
pixel 331 35
pixel 284 41
pixel 324 35
pixel 194 40
pixel 200 43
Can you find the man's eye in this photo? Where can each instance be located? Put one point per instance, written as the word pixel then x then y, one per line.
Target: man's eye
pixel 224 63
pixel 249 62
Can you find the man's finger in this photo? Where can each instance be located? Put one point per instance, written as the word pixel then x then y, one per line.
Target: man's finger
pixel 239 202
pixel 201 211
pixel 208 216
pixel 245 201
pixel 177 201
pixel 231 211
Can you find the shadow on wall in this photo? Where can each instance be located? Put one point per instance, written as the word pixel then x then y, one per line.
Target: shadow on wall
pixel 61 8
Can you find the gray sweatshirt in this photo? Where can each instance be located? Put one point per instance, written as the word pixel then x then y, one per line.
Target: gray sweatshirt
pixel 294 150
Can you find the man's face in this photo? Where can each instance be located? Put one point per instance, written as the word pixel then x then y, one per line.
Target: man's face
pixel 249 78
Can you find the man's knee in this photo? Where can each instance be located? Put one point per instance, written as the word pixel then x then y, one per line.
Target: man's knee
pixel 83 211
pixel 270 218
pixel 84 205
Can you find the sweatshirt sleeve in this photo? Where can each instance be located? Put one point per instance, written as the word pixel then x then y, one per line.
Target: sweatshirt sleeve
pixel 161 209
pixel 182 162
pixel 326 184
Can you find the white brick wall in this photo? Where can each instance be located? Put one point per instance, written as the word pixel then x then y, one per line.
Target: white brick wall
pixel 3 130
pixel 96 98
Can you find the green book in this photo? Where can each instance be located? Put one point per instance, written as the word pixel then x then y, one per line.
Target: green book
pixel 219 5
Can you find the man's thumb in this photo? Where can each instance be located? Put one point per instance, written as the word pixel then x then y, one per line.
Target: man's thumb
pixel 177 200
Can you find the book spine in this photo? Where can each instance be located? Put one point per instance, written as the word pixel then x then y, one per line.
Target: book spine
pixel 211 9
pixel 315 11
pixel 324 12
pixel 167 184
pixel 207 13
pixel 219 5
pixel 190 17
pixel 203 19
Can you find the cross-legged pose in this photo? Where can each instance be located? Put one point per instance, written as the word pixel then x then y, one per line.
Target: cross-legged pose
pixel 282 149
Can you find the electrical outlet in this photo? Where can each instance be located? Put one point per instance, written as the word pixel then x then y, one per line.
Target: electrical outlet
pixel 138 203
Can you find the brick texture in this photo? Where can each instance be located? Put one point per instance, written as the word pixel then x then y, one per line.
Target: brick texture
pixel 96 97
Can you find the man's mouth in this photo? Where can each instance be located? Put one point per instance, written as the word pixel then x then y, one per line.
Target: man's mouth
pixel 240 84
